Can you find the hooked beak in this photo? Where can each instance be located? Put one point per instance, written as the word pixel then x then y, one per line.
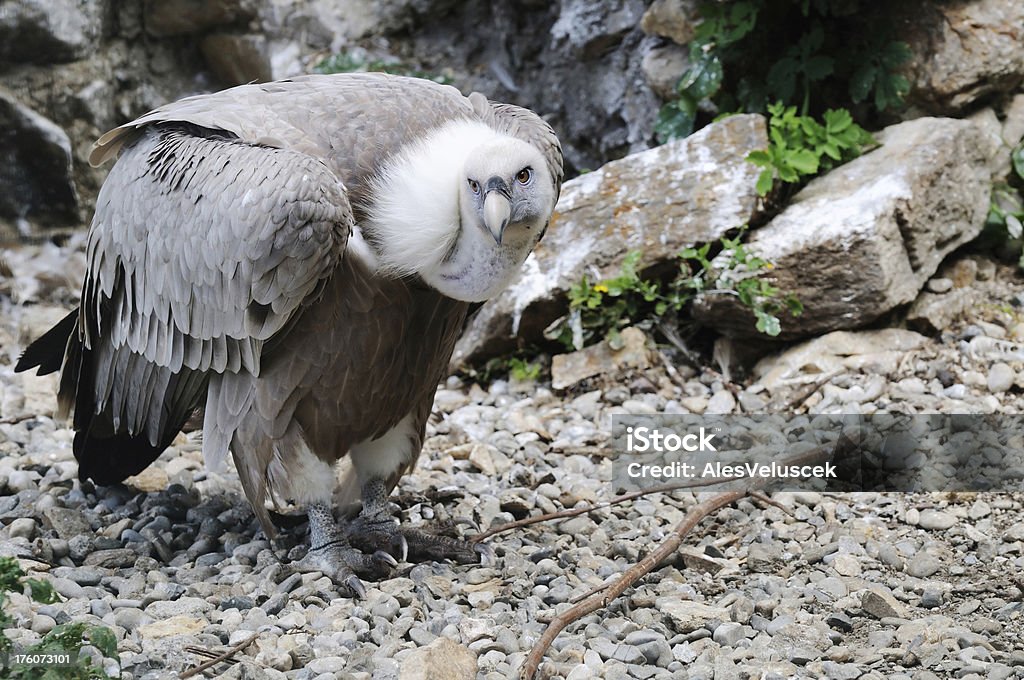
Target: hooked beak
pixel 497 207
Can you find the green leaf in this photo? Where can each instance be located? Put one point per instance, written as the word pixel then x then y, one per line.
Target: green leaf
pixel 759 157
pixel 767 323
pixel 675 120
pixel 764 182
pixel 804 161
pixel 819 67
pixel 103 639
pixel 1017 157
pixel 42 591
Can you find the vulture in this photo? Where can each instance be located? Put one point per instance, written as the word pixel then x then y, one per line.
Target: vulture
pixel 297 258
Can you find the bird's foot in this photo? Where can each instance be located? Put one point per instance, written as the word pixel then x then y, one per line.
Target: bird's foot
pixel 340 562
pixel 379 532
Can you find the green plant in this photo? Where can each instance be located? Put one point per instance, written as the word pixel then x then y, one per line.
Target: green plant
pixel 65 639
pixel 600 310
pixel 801 146
pixel 348 62
pixel 523 370
pixel 1005 221
pixel 815 54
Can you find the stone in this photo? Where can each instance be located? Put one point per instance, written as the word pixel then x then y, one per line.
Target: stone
pixel 1000 378
pixel 66 522
pixel 686 616
pixel 871 351
pixel 721 402
pixel 590 29
pixel 934 313
pixel 237 59
pixel 36 176
pixel 658 201
pixel 442 659
pixel 880 603
pixel 674 19
pixel 175 625
pixel 600 359
pixel 962 52
pixel 864 238
pixel 936 520
pixel 663 67
pixel 180 17
pixel 48 31
pixel 939 284
pixel 923 565
pixel 1013 123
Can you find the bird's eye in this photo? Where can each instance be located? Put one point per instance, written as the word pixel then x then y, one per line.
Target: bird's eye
pixel 524 176
pixel 474 186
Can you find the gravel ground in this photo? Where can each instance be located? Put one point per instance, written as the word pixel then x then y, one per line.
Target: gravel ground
pixel 865 585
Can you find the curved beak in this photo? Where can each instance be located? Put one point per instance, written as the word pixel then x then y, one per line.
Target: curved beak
pixel 497 207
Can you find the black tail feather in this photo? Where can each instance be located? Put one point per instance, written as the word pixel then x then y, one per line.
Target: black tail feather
pixel 47 352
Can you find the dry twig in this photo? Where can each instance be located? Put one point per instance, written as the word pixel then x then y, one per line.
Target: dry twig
pixel 234 649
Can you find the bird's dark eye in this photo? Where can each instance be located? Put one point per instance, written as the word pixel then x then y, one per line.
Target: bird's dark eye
pixel 524 176
pixel 474 186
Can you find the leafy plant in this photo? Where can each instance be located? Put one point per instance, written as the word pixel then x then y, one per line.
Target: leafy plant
pixel 65 639
pixel 801 146
pixel 1005 222
pixel 600 310
pixel 523 370
pixel 812 54
pixel 348 62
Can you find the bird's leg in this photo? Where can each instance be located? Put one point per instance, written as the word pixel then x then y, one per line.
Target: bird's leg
pixel 375 529
pixel 331 553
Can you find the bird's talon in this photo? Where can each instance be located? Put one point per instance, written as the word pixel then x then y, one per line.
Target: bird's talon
pixel 488 558
pixel 401 546
pixel 356 586
pixel 386 558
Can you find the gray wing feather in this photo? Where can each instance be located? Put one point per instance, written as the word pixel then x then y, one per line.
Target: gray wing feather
pixel 202 249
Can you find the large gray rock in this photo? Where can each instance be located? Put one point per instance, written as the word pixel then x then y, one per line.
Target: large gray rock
pixel 963 51
pixel 659 201
pixel 442 659
pixel 35 177
pixel 864 238
pixel 48 31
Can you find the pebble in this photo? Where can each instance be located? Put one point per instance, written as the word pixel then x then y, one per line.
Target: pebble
pixel 1000 377
pixel 936 520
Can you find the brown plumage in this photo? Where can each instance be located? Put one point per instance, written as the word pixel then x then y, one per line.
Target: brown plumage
pixel 298 258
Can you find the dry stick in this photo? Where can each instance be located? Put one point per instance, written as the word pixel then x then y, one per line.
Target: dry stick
pixel 632 575
pixel 221 657
pixel 604 594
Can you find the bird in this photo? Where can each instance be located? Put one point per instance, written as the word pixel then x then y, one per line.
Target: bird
pixel 297 259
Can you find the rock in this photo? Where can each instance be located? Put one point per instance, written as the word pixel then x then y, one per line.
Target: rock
pixel 48 31
pixel 721 402
pixel 686 616
pixel 673 19
pixel 880 603
pixel 601 359
pixel 178 17
pixel 150 480
pixel 175 625
pixel 864 238
pixel 36 177
pixel 923 566
pixel 841 351
pixel 23 527
pixel 591 29
pixel 442 659
pixel 962 52
pixel 67 523
pixel 658 201
pixel 939 285
pixel 663 67
pixel 1013 124
pixel 237 59
pixel 936 520
pixel 933 313
pixel 1000 378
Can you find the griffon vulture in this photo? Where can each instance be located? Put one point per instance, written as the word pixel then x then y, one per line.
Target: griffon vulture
pixel 298 258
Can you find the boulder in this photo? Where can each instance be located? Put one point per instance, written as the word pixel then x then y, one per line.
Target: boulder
pixel 592 28
pixel 963 51
pixel 180 17
pixel 36 177
pixel 50 31
pixel 863 239
pixel 442 659
pixel 658 201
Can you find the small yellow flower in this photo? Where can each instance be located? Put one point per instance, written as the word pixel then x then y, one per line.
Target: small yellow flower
pixel 601 288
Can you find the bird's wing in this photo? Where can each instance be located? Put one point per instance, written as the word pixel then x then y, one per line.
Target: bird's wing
pixel 522 124
pixel 202 250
